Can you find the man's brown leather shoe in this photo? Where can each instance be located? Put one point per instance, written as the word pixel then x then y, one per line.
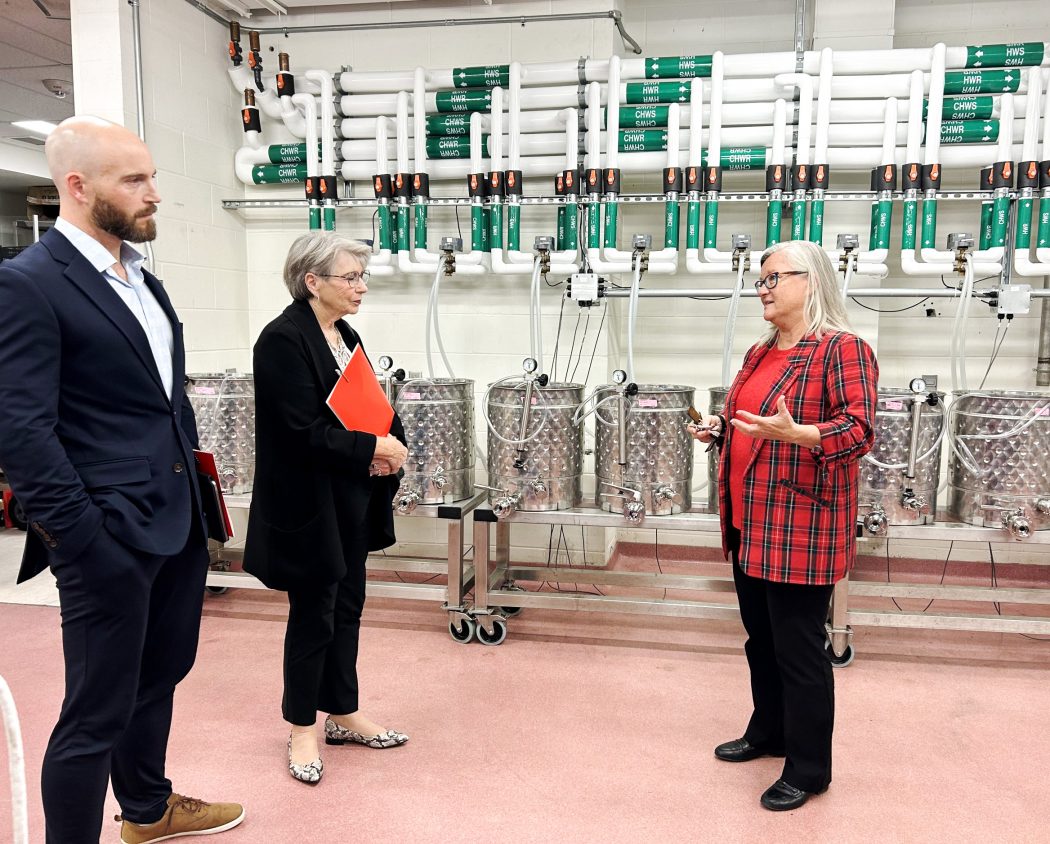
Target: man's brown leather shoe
pixel 185 816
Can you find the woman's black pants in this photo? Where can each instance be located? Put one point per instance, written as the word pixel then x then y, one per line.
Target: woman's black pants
pixel 791 676
pixel 320 646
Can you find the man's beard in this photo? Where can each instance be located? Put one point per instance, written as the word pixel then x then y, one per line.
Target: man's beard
pixel 113 221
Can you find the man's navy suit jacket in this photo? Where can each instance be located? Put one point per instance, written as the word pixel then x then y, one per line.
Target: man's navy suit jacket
pixel 88 437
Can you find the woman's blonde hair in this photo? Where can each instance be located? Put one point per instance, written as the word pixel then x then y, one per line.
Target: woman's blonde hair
pixel 825 307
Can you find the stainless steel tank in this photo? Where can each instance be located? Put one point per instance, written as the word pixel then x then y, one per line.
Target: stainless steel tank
pixel 438 415
pixel 1012 485
pixel 882 489
pixel 224 404
pixel 544 471
pixel 658 457
pixel 716 405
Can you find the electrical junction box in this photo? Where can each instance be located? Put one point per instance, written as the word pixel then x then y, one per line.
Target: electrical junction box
pixel 584 288
pixel 1015 299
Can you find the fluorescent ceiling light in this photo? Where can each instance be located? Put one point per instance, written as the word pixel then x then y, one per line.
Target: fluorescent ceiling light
pixel 235 6
pixel 39 127
pixel 272 7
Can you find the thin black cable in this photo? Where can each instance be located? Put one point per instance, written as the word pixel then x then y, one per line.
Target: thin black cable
pixel 594 351
pixel 888 310
pixel 944 570
pixel 997 344
pixel 557 339
pixel 995 579
pixel 459 228
pixel 374 215
pixel 583 343
pixel 572 345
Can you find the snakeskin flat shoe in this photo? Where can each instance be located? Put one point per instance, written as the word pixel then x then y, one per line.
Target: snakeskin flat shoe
pixel 334 734
pixel 309 773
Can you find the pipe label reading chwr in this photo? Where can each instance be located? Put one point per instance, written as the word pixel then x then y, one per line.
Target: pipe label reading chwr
pixel 982 81
pixel 475 99
pixel 1005 55
pixel 677 67
pixel 640 93
pixel 482 76
pixel 967 131
pixel 456 146
pixel 743 158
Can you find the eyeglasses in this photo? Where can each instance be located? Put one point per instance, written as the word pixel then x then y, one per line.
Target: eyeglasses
pixel 773 279
pixel 350 278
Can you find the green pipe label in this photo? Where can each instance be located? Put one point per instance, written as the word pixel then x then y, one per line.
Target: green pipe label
pixel 288 153
pixel 643 140
pixel 496 227
pixel 514 228
pixel 882 224
pixel 421 226
pixel 773 220
pixel 986 226
pixel 982 81
pixel 816 221
pixel 929 224
pixel 1044 224
pixel 483 76
pixel 743 158
pixel 967 131
pixel 798 220
pixel 1005 55
pixel 678 67
pixel 1023 239
pixel 476 99
pixel 611 224
pixel 963 108
pixel 593 227
pixel 315 218
pixel 640 93
pixel 640 117
pixel 451 147
pixel 448 124
pixel 671 225
pixel 711 225
pixel 908 230
pixel 278 174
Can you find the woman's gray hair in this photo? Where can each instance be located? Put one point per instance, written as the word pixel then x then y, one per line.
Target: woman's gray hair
pixel 825 308
pixel 316 252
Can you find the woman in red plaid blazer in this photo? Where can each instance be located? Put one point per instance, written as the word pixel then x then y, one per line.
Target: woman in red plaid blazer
pixel 800 414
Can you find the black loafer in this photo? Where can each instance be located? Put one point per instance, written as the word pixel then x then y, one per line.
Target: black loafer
pixel 741 750
pixel 782 796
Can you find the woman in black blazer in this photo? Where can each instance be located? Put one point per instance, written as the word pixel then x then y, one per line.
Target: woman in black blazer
pixel 322 497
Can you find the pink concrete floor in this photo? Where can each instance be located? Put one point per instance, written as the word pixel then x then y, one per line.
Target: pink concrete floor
pixel 584 728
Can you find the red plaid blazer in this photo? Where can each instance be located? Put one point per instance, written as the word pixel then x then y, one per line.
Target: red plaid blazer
pixel 800 505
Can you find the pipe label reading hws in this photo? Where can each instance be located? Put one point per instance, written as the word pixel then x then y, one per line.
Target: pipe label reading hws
pixel 677 67
pixel 1005 55
pixel 982 81
pixel 640 93
pixel 483 76
pixel 471 100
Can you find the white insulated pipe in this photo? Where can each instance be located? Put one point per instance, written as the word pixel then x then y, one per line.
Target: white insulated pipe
pixel 820 148
pixel 324 80
pixel 936 103
pixel 612 115
pixel 804 83
pixel 714 143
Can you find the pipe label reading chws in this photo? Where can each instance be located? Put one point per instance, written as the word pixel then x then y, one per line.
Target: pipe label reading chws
pixel 476 99
pixel 640 117
pixel 982 81
pixel 640 93
pixel 743 158
pixel 482 76
pixel 1005 55
pixel 677 67
pixel 448 124
pixel 963 108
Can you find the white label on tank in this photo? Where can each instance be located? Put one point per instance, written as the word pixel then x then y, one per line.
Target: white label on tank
pixel 205 391
pixel 411 396
pixel 1043 411
pixel 646 402
pixel 893 404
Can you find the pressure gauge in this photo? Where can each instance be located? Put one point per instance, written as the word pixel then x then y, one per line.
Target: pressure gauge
pixel 529 365
pixel 619 376
pixel 918 385
pixel 385 362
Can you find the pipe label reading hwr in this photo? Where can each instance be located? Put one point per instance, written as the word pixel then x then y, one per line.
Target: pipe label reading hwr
pixel 640 93
pixel 482 76
pixel 677 67
pixel 982 81
pixel 476 99
pixel 1005 55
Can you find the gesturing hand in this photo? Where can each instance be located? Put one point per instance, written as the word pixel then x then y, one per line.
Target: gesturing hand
pixel 781 426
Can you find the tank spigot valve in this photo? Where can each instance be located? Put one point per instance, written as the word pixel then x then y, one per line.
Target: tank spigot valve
pixel 1017 523
pixel 664 493
pixel 634 512
pixel 911 501
pixel 406 502
pixel 439 479
pixel 1042 506
pixel 505 505
pixel 875 522
pixel 539 487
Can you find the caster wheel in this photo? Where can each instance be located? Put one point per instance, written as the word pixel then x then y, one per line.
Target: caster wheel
pixel 462 630
pixel 510 612
pixel 839 661
pixel 18 515
pixel 498 634
pixel 217 590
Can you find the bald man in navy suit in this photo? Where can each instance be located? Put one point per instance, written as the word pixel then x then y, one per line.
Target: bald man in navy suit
pixel 96 440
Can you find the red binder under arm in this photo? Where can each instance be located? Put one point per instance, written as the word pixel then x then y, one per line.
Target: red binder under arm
pixel 358 400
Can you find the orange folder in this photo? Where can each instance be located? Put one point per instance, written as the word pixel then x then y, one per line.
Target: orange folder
pixel 357 399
